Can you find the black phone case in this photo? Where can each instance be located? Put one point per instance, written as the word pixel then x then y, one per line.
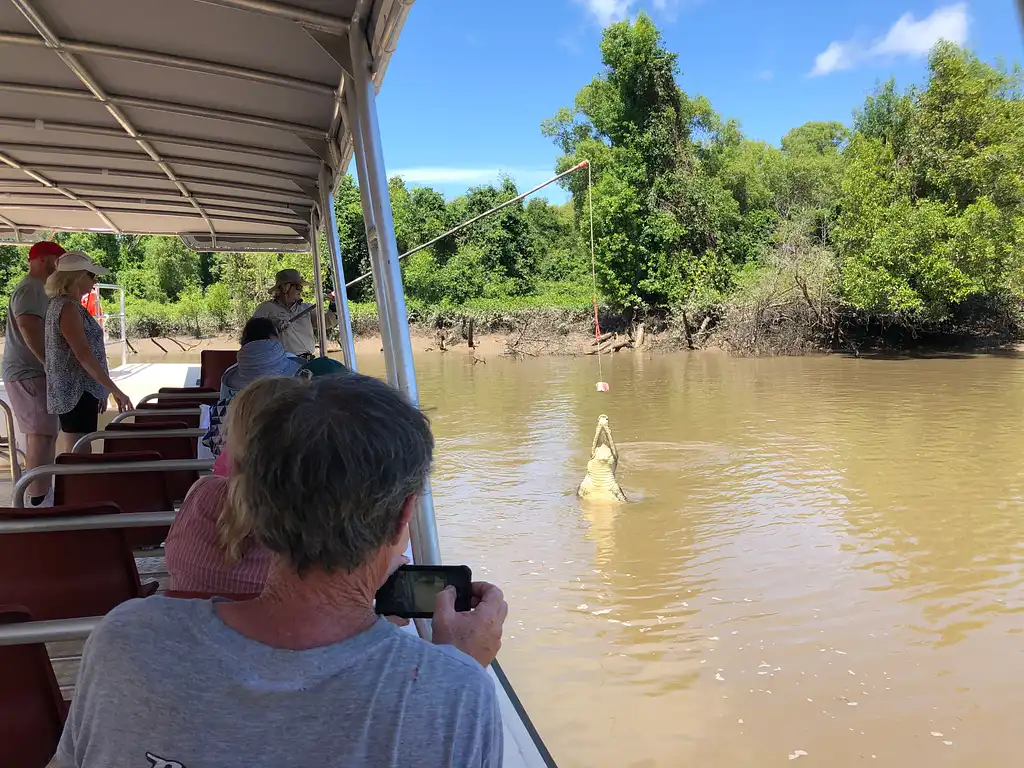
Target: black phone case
pixel 458 576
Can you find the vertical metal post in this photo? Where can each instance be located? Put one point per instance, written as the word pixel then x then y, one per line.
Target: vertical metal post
pixel 389 271
pixel 348 346
pixel 385 318
pixel 124 329
pixel 318 288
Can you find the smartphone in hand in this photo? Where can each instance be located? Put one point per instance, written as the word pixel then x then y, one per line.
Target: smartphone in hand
pixel 409 592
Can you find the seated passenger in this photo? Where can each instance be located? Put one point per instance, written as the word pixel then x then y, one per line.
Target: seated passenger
pixel 209 547
pixel 260 355
pixel 318 366
pixel 305 674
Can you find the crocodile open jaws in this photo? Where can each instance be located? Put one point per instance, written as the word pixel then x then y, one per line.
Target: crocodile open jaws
pixel 600 483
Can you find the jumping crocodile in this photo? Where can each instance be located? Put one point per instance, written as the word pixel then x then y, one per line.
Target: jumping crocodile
pixel 600 483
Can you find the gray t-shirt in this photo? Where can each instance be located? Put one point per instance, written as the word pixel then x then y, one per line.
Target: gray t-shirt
pixel 28 298
pixel 164 683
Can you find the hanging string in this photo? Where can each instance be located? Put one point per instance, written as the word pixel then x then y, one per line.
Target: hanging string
pixel 593 275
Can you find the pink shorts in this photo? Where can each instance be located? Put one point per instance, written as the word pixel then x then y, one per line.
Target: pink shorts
pixel 28 401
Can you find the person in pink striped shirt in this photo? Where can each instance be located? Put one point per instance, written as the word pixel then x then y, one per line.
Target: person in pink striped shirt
pixel 209 548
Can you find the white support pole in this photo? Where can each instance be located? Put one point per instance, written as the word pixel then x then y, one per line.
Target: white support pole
pixel 124 329
pixel 426 550
pixel 318 288
pixel 385 317
pixel 345 338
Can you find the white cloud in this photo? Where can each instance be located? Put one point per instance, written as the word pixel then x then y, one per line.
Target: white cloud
pixel 428 175
pixel 915 38
pixel 607 11
pixel 766 75
pixel 907 37
pixel 836 57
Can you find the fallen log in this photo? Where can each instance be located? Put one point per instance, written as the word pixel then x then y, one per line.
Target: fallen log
pixel 640 331
pixel 602 338
pixel 171 338
pixel 614 346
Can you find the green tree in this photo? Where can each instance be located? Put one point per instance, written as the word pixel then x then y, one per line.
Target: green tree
pixel 555 241
pixel 218 305
pixel 101 248
pixel 190 309
pixel 502 239
pixel 172 267
pixel 348 210
pixel 933 194
pixel 662 221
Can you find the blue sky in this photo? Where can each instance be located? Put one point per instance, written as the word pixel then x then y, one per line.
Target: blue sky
pixel 472 80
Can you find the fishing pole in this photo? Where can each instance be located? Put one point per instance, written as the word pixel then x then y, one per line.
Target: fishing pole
pixel 578 167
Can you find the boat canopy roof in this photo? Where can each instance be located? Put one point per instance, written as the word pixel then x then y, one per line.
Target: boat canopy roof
pixel 215 120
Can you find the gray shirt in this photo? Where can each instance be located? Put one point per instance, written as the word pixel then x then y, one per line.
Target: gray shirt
pixel 28 298
pixel 164 683
pixel 297 338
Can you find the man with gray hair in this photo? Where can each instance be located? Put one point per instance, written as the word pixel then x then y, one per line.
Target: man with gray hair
pixel 305 674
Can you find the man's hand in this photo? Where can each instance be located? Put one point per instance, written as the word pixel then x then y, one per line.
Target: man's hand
pixel 477 632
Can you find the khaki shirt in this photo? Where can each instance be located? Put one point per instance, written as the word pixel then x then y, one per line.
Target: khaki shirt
pixel 298 338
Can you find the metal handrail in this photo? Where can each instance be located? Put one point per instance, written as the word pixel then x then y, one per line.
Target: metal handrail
pixel 87 522
pixel 12 442
pixel 179 396
pixel 49 470
pixel 50 631
pixel 158 411
pixel 82 446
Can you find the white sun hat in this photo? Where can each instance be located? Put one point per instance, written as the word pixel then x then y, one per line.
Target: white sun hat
pixel 75 261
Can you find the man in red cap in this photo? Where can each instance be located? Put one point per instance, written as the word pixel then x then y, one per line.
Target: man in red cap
pixel 23 373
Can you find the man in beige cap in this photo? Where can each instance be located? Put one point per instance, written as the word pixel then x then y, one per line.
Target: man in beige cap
pixel 293 317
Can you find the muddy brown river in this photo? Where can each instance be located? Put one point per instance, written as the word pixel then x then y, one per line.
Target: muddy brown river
pixel 821 561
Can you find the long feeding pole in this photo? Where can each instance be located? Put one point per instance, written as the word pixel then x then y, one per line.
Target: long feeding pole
pixel 578 167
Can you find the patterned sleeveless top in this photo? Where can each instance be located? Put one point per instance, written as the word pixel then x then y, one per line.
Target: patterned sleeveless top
pixel 66 379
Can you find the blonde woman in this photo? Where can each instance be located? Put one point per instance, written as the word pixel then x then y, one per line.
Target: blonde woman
pixel 209 548
pixel 77 378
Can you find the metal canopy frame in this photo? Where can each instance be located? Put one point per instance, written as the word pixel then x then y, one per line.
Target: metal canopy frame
pixel 283 172
pixel 218 167
pixel 213 111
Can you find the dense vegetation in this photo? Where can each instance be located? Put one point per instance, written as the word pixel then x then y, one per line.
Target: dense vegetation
pixel 909 218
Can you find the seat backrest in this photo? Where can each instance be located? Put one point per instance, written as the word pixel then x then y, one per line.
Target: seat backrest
pixel 191 420
pixel 32 712
pixel 178 483
pixel 66 574
pixel 200 394
pixel 131 426
pixel 213 363
pixel 132 492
